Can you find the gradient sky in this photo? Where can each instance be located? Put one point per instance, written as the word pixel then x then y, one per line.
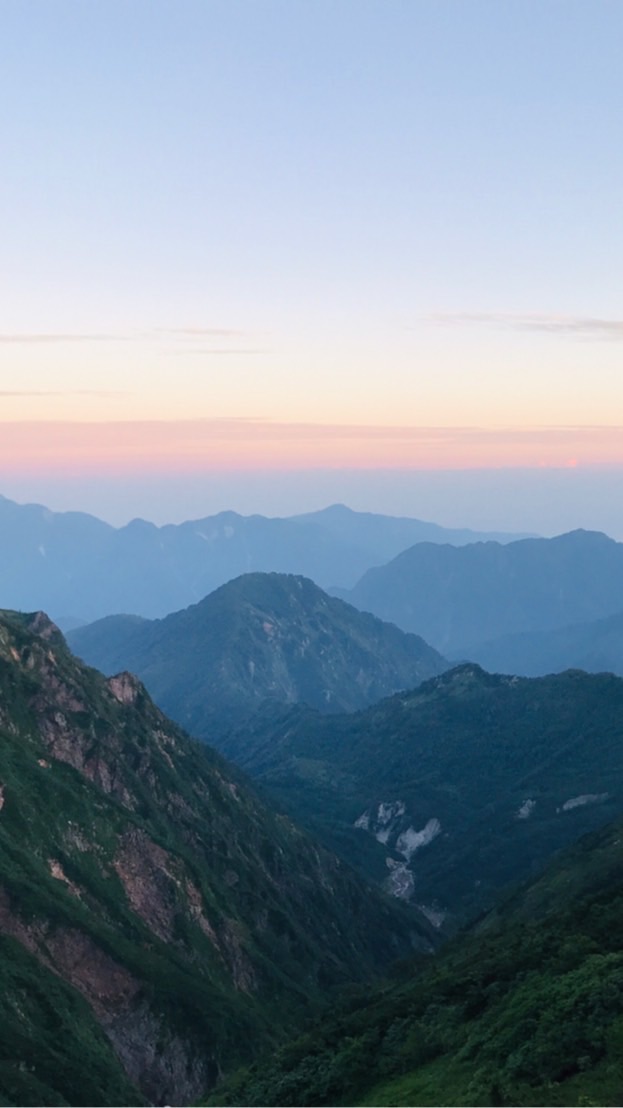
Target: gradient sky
pixel 307 235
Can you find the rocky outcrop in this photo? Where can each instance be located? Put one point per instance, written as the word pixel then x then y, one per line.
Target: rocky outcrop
pixel 156 1060
pixel 188 920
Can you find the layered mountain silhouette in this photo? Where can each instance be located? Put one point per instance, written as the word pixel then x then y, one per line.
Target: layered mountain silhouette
pixel 383 537
pixel 157 922
pixel 79 569
pixel 160 925
pixel 449 792
pixel 261 636
pixel 596 647
pixel 458 598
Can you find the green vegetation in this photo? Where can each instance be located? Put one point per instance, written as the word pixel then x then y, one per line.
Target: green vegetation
pixel 527 1009
pixel 512 769
pixel 261 636
pixel 53 1052
pixel 160 927
pixel 158 924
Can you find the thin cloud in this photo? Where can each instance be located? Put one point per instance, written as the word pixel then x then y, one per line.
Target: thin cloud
pixel 39 337
pixel 251 428
pixel 216 350
pixel 197 333
pixel 205 332
pixel 587 327
pixel 191 333
pixel 61 392
pixel 258 428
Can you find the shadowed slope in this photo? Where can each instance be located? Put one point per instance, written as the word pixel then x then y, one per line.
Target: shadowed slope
pixel 157 922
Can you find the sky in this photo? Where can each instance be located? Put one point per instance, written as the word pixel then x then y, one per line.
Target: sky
pixel 269 254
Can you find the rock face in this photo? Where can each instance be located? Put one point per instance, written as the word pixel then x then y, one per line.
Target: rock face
pixel 262 636
pixel 150 906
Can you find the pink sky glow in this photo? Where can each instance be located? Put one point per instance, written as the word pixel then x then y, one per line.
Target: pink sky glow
pixel 194 446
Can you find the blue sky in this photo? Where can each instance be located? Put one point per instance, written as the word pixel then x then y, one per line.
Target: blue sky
pixel 377 215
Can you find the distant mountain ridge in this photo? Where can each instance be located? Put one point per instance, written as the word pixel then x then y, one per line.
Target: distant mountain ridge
pixel 596 647
pixel 458 598
pixel 385 536
pixel 79 569
pixel 261 636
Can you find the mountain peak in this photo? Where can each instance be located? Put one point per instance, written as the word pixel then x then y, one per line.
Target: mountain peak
pixel 138 525
pixel 460 678
pixel 339 509
pixel 261 636
pixel 460 597
pixel 584 535
pixel 35 623
pixel 40 624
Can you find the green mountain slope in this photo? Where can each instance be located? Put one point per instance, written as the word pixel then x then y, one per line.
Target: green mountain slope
pixel 454 789
pixel 527 1009
pixel 157 923
pixel 263 635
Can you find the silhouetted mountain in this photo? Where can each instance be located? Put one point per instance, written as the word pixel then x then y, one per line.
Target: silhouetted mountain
pixel 383 537
pixel 460 597
pixel 449 792
pixel 157 922
pixel 80 569
pixel 261 636
pixel 525 1009
pixel 596 647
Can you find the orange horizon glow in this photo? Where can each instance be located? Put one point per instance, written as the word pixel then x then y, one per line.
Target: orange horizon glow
pixel 193 446
pixel 233 444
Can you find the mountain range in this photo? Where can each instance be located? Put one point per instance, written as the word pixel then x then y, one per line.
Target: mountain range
pixel 158 923
pixel 166 919
pixel 78 568
pixel 458 598
pixel 450 792
pixel 382 537
pixel 261 636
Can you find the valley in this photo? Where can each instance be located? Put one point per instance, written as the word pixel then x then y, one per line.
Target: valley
pixel 450 792
pixel 382 831
pixel 311 554
pixel 150 905
pixel 526 1008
